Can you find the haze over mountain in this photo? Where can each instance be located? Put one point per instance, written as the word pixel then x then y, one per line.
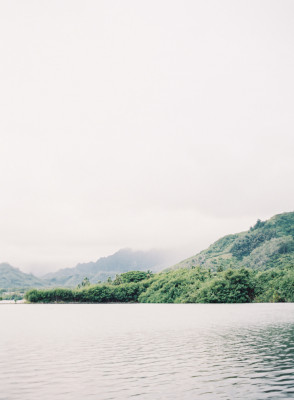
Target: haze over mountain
pixel 13 278
pixel 252 266
pixel 135 123
pixel 122 261
pixel 266 245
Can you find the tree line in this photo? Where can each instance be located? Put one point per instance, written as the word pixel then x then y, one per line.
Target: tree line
pixel 195 285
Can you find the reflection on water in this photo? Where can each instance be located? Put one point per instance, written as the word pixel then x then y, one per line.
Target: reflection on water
pixel 82 352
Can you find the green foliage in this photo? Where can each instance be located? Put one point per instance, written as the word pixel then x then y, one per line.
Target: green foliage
pixel 132 276
pixel 196 285
pixel 231 286
pixel 261 247
pixel 135 276
pixel 253 266
pixel 221 245
pixel 85 282
pixel 282 223
pixel 102 293
pixel 259 224
pixel 11 294
pixel 262 255
pixel 286 287
pixel 50 295
pixel 246 244
pixel 174 286
pixel 280 261
pixel 275 285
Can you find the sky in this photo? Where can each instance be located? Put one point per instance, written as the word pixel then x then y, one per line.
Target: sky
pixel 143 124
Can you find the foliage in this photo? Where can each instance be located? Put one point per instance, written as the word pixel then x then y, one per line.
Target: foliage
pixel 196 285
pixel 246 244
pixel 12 294
pixel 259 224
pixel 101 293
pixel 260 256
pixel 85 282
pixel 222 244
pixel 275 285
pixel 174 286
pixel 231 286
pixel 261 247
pixel 253 266
pixel 135 276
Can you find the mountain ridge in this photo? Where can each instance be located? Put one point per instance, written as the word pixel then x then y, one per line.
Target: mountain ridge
pixel 123 260
pixel 266 243
pixel 11 277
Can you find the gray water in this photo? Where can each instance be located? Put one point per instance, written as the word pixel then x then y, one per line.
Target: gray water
pixel 81 352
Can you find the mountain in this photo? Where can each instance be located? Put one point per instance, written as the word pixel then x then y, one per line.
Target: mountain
pixel 122 261
pixel 265 245
pixel 12 278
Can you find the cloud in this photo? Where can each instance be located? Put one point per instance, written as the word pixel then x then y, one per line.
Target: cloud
pixel 126 124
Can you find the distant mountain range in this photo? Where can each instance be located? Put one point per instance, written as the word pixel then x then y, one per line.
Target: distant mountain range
pixel 266 245
pixel 122 261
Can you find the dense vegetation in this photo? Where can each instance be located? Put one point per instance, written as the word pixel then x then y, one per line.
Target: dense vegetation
pixel 195 285
pixel 252 266
pixel 126 287
pixel 266 245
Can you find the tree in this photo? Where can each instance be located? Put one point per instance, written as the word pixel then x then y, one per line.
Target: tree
pixel 85 282
pixel 117 280
pixel 134 276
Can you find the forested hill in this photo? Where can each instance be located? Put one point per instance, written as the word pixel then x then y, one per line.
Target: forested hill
pixel 216 275
pixel 266 245
pixel 12 278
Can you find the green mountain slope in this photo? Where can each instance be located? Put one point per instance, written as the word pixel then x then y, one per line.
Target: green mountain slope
pixel 216 275
pixel 266 245
pixel 12 278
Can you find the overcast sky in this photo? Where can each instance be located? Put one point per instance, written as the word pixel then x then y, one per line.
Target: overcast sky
pixel 143 124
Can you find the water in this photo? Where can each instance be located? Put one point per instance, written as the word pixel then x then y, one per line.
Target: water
pixel 81 352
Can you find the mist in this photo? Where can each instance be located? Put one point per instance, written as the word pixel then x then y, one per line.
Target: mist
pixel 145 125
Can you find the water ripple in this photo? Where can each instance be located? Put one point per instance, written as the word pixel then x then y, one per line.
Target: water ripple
pixel 101 352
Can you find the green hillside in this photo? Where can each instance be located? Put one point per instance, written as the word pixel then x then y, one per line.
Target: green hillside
pixel 252 266
pixel 266 245
pixel 184 285
pixel 13 278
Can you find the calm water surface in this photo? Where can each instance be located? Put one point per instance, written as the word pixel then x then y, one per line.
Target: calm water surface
pixel 81 352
